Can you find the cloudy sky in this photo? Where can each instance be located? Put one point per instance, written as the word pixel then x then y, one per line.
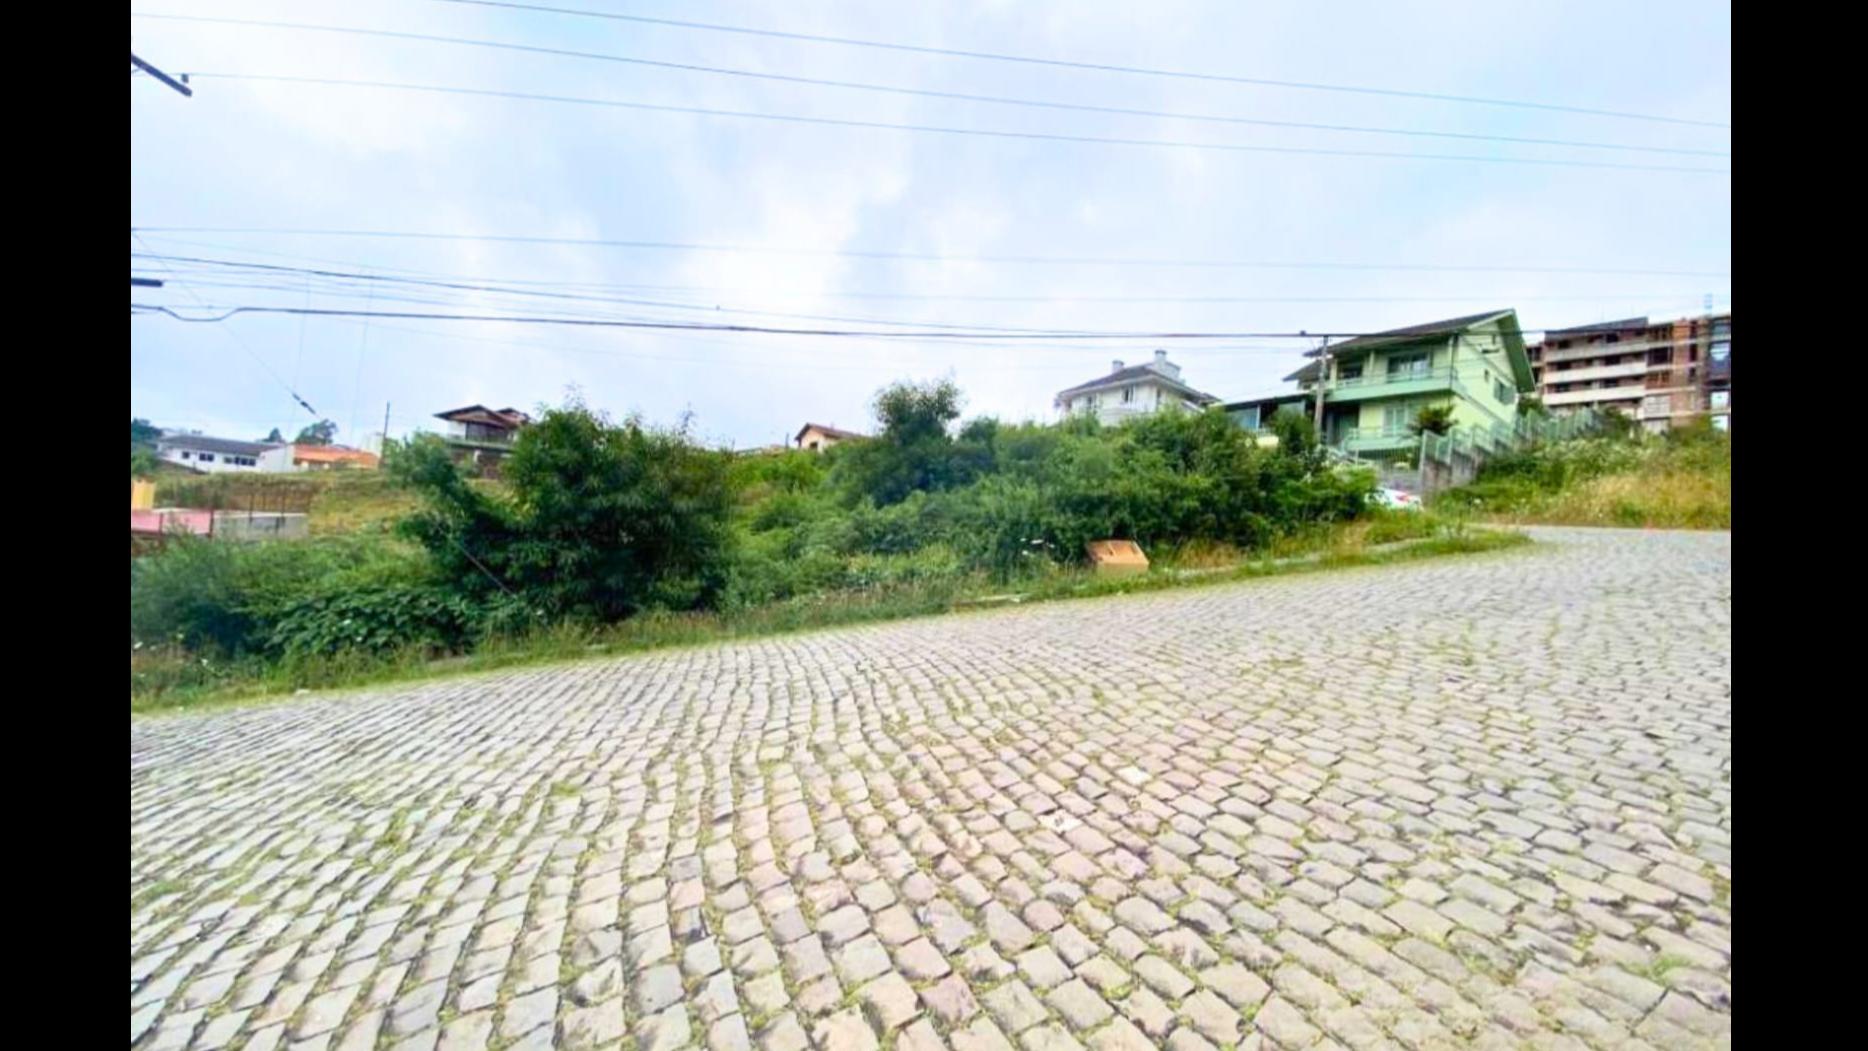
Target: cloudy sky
pixel 788 223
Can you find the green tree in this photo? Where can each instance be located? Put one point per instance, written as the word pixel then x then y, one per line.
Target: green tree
pixel 599 522
pixel 274 438
pixel 1530 405
pixel 915 412
pixel 142 462
pixel 143 433
pixel 913 451
pixel 321 433
pixel 1296 431
pixel 1432 419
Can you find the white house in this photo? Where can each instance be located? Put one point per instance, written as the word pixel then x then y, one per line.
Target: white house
pixel 220 455
pixel 1133 390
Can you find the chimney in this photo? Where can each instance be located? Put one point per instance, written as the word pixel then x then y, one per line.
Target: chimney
pixel 1116 365
pixel 1161 357
pixel 1162 366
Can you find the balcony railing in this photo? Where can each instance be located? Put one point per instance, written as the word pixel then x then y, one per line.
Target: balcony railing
pixel 1352 439
pixel 1377 379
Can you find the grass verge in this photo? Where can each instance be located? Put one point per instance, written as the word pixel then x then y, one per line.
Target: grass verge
pixel 168 681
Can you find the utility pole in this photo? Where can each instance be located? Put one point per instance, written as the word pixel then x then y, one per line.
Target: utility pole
pixel 1323 376
pixel 179 85
pixel 383 446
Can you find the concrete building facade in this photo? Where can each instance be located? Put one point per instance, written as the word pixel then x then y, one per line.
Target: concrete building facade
pixel 1661 373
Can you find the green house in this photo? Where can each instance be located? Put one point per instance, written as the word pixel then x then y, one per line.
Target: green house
pixel 1376 384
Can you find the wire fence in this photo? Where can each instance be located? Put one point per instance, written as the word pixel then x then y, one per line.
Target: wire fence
pixel 254 494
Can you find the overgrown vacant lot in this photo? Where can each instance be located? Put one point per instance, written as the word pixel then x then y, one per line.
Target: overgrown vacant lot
pixel 1682 480
pixel 619 534
pixel 1464 802
pixel 338 502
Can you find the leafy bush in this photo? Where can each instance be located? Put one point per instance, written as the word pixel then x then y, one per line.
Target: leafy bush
pixel 377 621
pixel 600 520
pixel 1432 419
pixel 914 451
pixel 233 599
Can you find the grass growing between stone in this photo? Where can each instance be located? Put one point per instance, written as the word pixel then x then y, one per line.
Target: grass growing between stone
pixel 164 679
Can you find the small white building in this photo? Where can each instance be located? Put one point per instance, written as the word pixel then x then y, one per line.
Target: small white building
pixel 211 455
pixel 1133 390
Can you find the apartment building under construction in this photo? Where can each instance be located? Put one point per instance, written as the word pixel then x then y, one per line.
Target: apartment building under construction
pixel 1661 373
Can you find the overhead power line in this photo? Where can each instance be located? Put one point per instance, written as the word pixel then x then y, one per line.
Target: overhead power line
pixel 1036 136
pixel 960 96
pixel 850 253
pixel 606 300
pixel 255 355
pixel 699 326
pixel 839 293
pixel 559 52
pixel 275 277
pixel 1105 67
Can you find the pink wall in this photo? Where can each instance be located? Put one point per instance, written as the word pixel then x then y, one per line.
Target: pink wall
pixel 200 523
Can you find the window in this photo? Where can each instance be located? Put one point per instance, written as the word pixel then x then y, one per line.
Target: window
pixel 186 455
pixel 1720 353
pixel 1721 399
pixel 1506 395
pixel 1410 364
pixel 207 457
pixel 1349 370
pixel 1248 418
pixel 1656 405
pixel 1397 416
pixel 1722 423
pixel 1128 395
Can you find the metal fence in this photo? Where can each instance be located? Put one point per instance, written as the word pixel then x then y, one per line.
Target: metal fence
pixel 1453 459
pixel 253 494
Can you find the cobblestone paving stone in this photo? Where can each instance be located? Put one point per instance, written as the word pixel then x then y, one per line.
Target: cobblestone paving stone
pixel 1474 802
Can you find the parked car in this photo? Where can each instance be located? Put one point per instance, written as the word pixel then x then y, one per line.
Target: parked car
pixel 1395 500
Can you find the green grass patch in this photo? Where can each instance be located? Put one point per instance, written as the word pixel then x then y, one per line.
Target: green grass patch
pixel 1681 479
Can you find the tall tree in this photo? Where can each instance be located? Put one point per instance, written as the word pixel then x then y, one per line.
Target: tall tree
pixel 321 433
pixel 914 450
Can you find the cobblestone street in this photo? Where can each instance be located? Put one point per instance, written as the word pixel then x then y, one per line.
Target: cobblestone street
pixel 1481 801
